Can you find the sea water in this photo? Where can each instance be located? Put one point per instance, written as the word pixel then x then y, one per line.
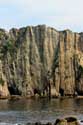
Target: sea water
pixel 39 110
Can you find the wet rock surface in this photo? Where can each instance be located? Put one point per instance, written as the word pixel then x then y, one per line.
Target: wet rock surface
pixel 65 121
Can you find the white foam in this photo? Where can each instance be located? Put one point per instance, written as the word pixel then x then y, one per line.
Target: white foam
pixel 9 124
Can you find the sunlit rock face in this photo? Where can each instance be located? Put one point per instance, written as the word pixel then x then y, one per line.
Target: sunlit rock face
pixel 4 92
pixel 34 57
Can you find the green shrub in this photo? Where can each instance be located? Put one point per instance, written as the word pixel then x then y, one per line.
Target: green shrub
pixel 81 69
pixel 1 82
pixel 8 47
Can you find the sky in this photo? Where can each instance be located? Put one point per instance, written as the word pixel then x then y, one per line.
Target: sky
pixel 60 14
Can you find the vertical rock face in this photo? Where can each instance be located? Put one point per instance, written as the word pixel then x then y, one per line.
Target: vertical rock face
pixel 3 84
pixel 67 79
pixel 35 59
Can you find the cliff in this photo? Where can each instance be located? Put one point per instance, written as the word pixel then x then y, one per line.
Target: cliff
pixel 41 60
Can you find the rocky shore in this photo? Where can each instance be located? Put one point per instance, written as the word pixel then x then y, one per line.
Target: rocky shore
pixel 64 121
pixel 18 97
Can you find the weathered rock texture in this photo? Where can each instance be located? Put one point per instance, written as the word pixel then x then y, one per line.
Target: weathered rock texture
pixel 33 57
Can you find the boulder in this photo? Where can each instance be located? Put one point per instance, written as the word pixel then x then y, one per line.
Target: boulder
pixel 72 121
pixel 60 122
pixel 67 121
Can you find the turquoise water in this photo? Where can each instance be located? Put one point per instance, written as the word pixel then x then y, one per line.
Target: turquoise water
pixel 43 110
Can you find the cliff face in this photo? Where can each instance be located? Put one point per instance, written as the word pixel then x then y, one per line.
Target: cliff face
pixel 41 60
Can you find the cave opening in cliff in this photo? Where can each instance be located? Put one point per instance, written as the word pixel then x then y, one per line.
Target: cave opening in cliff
pixel 61 91
pixel 13 90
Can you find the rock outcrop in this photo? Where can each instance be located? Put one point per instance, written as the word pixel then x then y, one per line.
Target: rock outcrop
pixel 42 60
